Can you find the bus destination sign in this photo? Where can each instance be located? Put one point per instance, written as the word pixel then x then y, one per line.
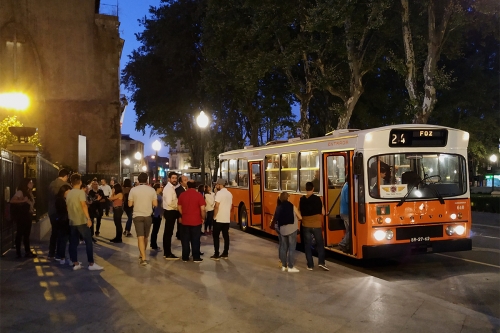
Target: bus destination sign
pixel 418 138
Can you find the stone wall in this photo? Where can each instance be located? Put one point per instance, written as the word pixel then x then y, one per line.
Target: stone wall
pixel 67 60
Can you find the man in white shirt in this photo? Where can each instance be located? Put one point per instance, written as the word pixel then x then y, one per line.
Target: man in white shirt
pixel 222 217
pixel 171 214
pixel 143 198
pixel 106 189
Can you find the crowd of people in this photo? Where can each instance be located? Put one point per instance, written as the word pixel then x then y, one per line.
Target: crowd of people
pixel 76 211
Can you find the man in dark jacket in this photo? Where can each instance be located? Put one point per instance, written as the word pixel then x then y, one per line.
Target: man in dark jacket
pixel 54 187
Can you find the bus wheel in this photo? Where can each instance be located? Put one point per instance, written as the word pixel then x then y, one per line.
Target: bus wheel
pixel 243 218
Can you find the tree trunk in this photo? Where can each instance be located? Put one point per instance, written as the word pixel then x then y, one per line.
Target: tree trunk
pixel 410 79
pixel 304 125
pixel 434 46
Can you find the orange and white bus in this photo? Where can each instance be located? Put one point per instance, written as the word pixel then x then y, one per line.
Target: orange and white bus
pixel 421 205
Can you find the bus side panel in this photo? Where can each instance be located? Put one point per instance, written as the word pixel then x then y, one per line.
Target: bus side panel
pixel 240 196
pixel 334 232
pixel 268 209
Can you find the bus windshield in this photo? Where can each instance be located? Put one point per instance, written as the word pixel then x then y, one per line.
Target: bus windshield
pixel 424 175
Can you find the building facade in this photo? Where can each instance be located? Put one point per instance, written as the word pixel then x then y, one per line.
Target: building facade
pixel 65 56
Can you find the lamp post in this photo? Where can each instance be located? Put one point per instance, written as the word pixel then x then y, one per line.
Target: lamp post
pixel 156 148
pixel 493 159
pixel 202 121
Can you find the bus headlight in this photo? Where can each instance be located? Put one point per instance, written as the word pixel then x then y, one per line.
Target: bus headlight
pixel 460 229
pixel 389 234
pixel 379 235
pixel 450 230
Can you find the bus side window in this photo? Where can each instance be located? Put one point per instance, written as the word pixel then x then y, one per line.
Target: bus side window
pixel 233 170
pixel 289 172
pixel 272 172
pixel 224 169
pixel 309 170
pixel 242 172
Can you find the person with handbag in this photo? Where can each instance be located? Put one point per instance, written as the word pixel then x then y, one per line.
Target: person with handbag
pixel 287 217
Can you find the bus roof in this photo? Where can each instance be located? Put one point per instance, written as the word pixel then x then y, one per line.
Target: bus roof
pixel 352 136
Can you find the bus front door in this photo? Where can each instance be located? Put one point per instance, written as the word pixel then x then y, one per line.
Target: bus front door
pixel 334 175
pixel 256 195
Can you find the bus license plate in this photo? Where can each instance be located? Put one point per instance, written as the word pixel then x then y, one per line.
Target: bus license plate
pixel 420 239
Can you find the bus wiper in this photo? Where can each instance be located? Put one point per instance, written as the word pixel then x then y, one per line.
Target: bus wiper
pixel 438 195
pixel 403 199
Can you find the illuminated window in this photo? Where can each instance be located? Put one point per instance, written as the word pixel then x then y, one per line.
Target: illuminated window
pixel 233 171
pixel 272 164
pixel 309 170
pixel 289 172
pixel 242 172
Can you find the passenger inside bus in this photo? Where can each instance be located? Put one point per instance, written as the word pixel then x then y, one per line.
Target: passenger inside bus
pixel 385 176
pixel 411 178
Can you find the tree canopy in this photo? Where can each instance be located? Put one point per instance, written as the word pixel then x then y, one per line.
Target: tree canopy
pixel 345 64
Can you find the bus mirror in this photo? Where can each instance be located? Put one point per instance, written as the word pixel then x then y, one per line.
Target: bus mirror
pixel 358 165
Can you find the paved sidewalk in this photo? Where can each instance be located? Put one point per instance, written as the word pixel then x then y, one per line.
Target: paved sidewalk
pixel 246 293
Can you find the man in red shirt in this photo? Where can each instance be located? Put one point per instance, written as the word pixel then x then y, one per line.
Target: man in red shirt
pixel 191 207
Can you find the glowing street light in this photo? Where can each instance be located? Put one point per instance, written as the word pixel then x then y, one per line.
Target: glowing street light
pixel 138 156
pixel 202 121
pixel 156 148
pixel 144 168
pixel 15 100
pixel 126 161
pixel 493 158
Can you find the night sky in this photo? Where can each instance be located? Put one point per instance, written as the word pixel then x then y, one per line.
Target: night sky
pixel 129 11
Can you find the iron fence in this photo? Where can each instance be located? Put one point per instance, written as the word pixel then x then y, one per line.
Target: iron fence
pixel 46 172
pixel 11 173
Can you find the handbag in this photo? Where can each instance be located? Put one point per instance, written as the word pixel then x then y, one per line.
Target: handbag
pixel 272 224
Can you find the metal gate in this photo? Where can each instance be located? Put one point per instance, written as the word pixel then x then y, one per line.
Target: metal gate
pixel 11 173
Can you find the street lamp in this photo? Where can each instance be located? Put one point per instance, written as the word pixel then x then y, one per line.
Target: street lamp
pixel 202 121
pixel 126 161
pixel 156 148
pixel 138 156
pixel 144 168
pixel 493 158
pixel 15 101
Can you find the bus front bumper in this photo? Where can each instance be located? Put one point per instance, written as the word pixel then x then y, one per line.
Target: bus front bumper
pixel 398 250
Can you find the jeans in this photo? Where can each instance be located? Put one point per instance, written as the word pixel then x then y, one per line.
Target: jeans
pixel 74 239
pixel 53 235
pixel 218 227
pixel 318 235
pixel 287 249
pixel 128 225
pixel 209 220
pixel 62 239
pixel 346 241
pixel 170 217
pixel 154 232
pixel 23 232
pixel 95 212
pixel 190 236
pixel 117 218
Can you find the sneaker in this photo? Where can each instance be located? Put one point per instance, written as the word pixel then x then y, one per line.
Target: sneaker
pixel 293 270
pixel 128 234
pixel 215 257
pixel 156 248
pixel 198 261
pixel 283 268
pixel 62 262
pixel 171 257
pixel 324 267
pixel 97 233
pixel 95 267
pixel 115 241
pixel 125 233
pixel 144 262
pixel 224 256
pixel 310 268
pixel 77 267
pixel 184 260
pixel 202 253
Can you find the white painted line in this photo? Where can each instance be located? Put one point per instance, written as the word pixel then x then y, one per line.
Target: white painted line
pixel 486 236
pixel 484 225
pixel 468 260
